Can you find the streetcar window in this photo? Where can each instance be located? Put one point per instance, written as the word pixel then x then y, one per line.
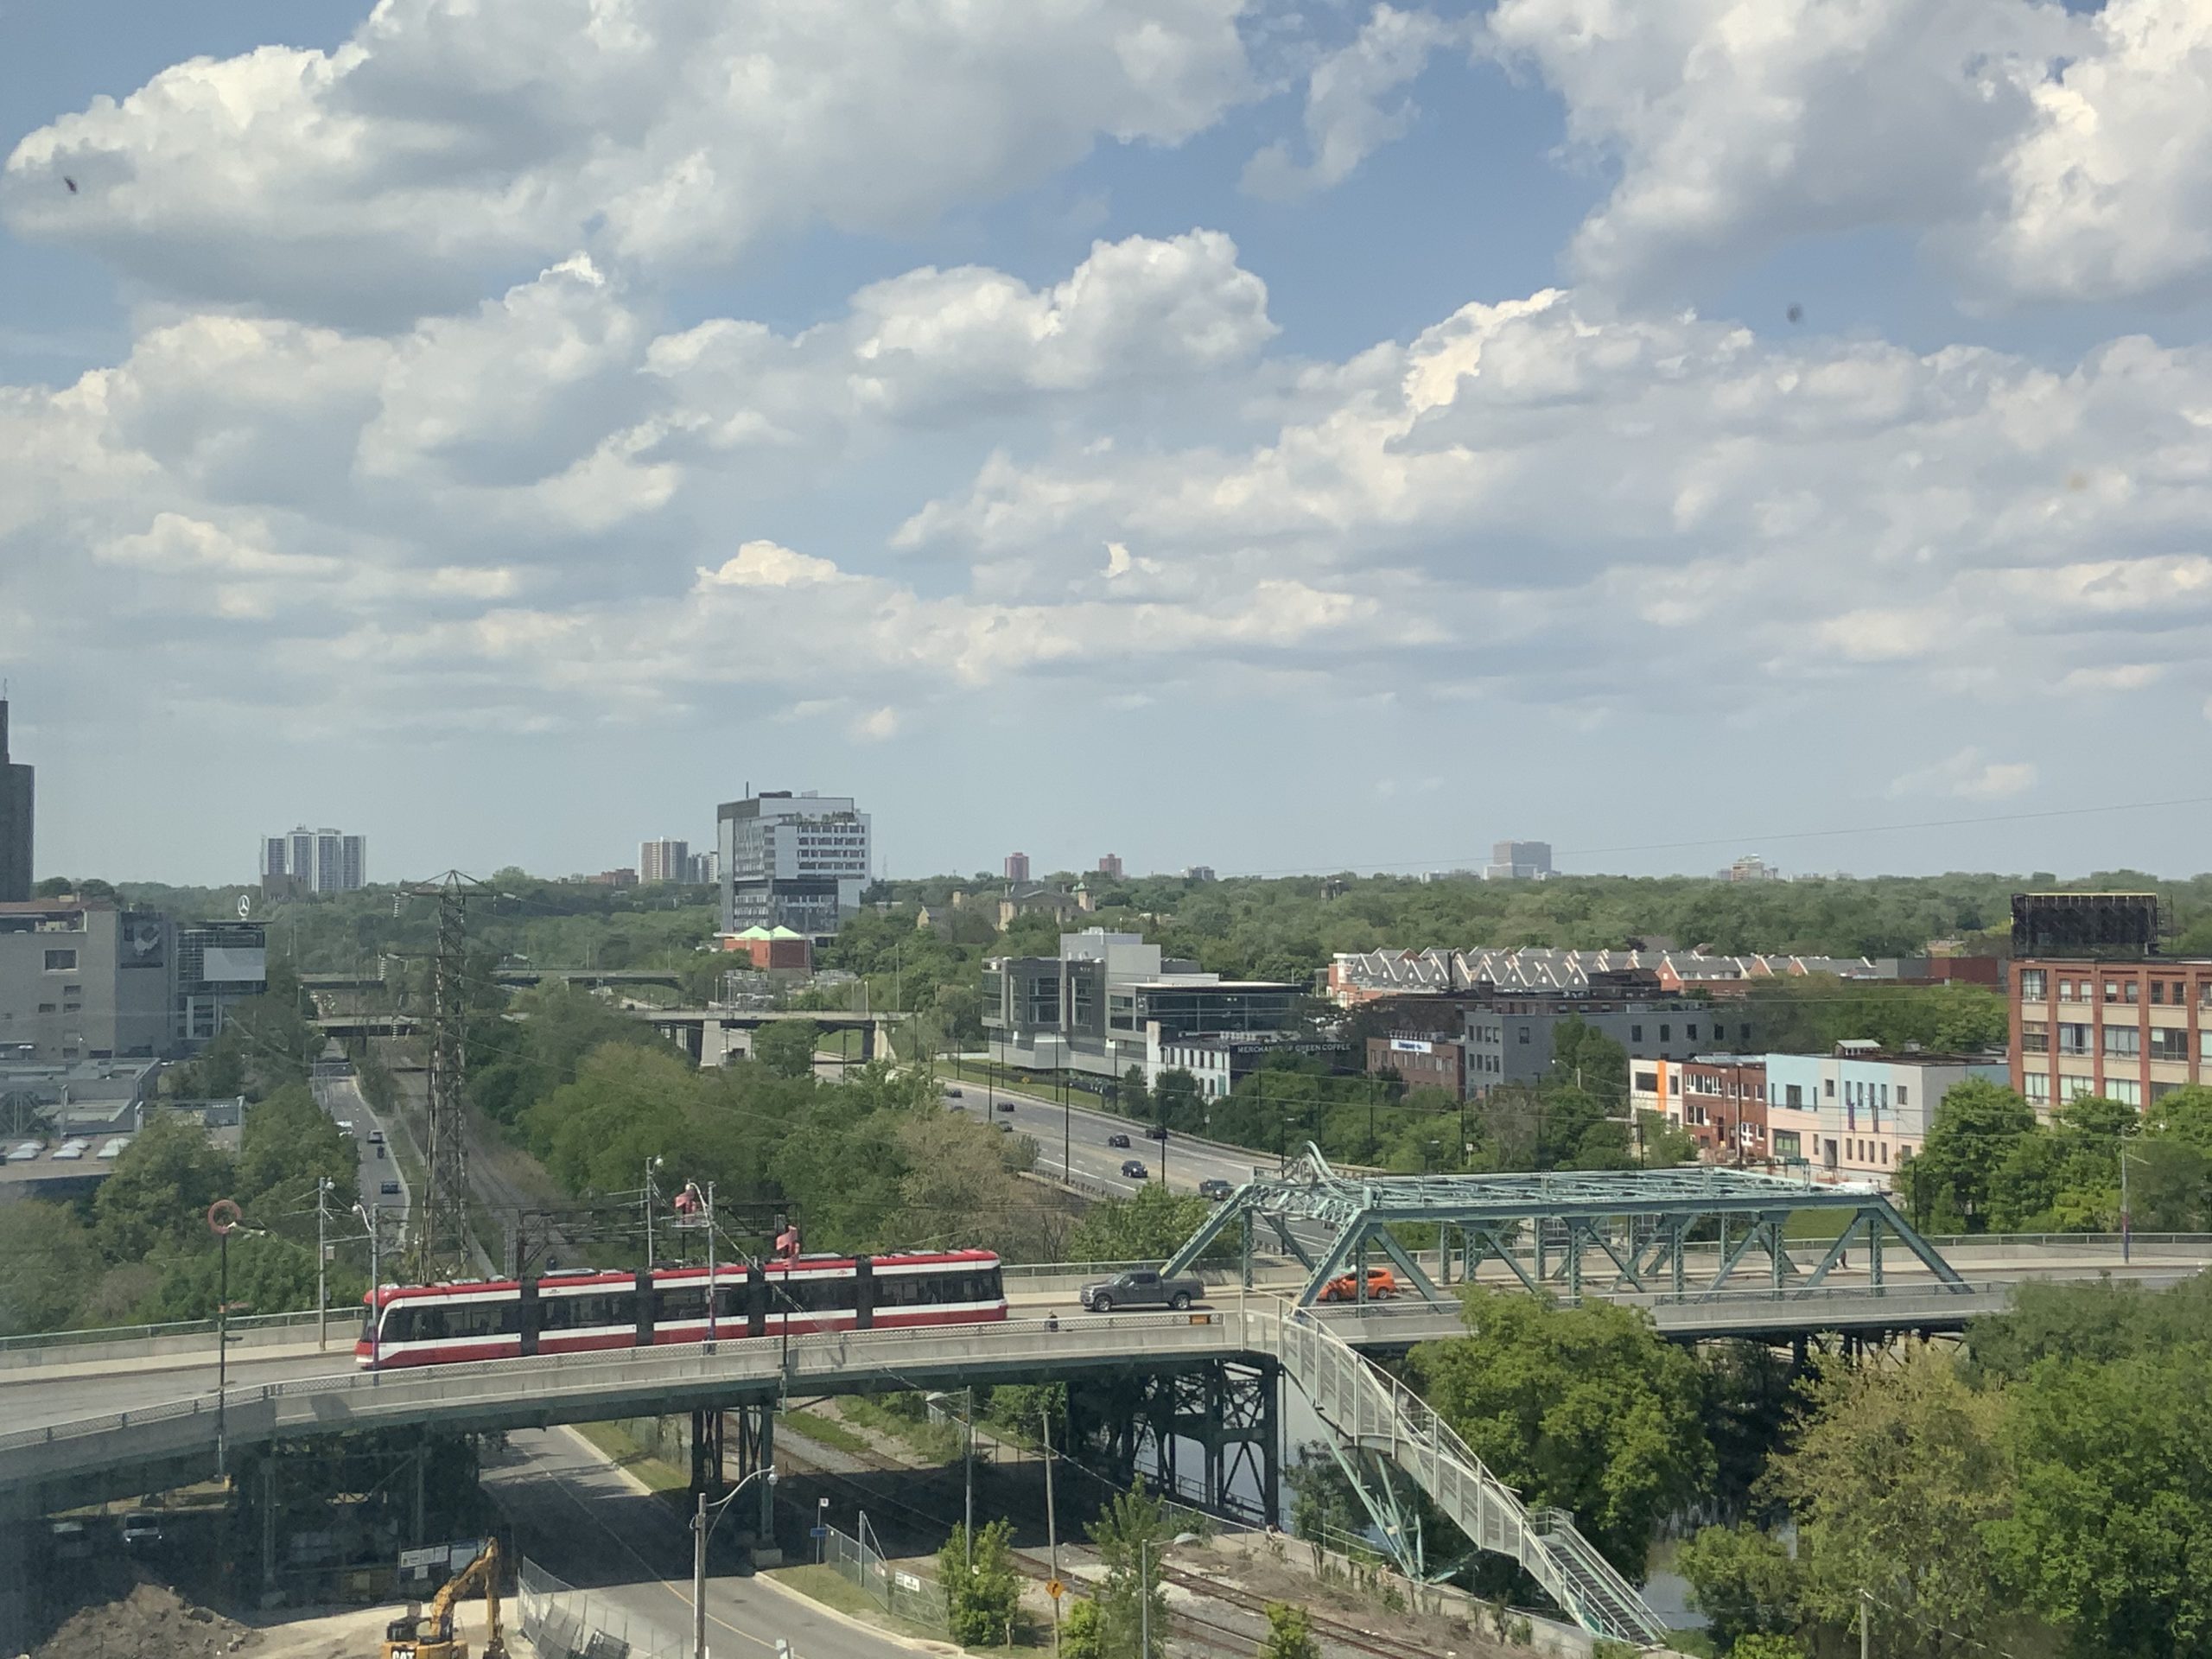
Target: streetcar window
pixel 581 1313
pixel 681 1302
pixel 483 1320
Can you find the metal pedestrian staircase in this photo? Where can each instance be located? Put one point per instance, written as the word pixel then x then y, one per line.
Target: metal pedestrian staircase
pixel 1373 1411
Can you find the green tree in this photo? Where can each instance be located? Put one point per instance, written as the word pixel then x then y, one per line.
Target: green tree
pixel 1150 1225
pixel 1894 1479
pixel 1948 1184
pixel 1131 1534
pixel 787 1046
pixel 286 1145
pixel 2087 1323
pixel 1081 1631
pixel 158 1193
pixel 1324 1507
pixel 2110 1525
pixel 268 1275
pixel 49 1264
pixel 1584 1409
pixel 982 1599
pixel 1290 1634
pixel 1763 1646
pixel 1744 1582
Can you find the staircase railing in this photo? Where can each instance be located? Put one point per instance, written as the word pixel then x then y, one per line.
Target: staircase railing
pixel 1372 1409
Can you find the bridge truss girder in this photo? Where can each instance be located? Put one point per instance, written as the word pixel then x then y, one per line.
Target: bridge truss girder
pixel 1568 1232
pixel 1225 1418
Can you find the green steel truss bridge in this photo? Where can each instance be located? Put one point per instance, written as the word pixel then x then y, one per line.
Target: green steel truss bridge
pixel 1679 1230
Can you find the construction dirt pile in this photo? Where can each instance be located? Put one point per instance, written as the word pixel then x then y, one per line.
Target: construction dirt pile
pixel 151 1622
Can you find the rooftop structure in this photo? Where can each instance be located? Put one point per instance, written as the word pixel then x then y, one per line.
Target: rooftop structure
pixel 1360 976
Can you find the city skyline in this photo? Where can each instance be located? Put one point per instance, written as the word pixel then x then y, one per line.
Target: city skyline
pixel 1171 398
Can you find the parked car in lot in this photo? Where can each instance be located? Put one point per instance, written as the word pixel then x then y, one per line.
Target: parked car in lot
pixel 1117 1139
pixel 1215 1188
pixel 1142 1287
pixel 1133 1169
pixel 1382 1285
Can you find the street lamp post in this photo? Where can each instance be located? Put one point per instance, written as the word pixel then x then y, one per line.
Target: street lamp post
pixel 2126 1217
pixel 321 1260
pixel 373 1220
pixel 702 1530
pixel 651 1165
pixel 224 1218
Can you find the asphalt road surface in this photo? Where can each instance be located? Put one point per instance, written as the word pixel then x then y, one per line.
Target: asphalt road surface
pixel 1080 1132
pixel 583 1521
pixel 341 1097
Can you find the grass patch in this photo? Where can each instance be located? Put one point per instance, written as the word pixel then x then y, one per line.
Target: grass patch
pixel 660 1477
pixel 820 1426
pixel 937 1442
pixel 834 1590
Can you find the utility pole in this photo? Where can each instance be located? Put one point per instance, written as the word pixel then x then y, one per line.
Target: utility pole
pixel 647 1204
pixel 1144 1598
pixel 1865 1624
pixel 322 1262
pixel 1051 1523
pixel 968 1457
pixel 710 1275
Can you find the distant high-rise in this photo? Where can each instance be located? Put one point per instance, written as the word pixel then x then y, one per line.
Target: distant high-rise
pixel 663 859
pixel 16 803
pixel 700 871
pixel 791 860
pixel 1017 866
pixel 314 860
pixel 1519 860
pixel 1110 864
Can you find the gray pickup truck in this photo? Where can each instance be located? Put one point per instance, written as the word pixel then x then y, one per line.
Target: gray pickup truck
pixel 1142 1289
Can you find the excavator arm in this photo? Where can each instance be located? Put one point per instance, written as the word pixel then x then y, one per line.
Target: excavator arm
pixel 431 1636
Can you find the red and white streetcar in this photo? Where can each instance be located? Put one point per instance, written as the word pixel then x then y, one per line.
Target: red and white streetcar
pixel 585 1310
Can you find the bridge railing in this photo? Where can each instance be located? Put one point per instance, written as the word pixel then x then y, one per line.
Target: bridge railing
pixel 1373 1410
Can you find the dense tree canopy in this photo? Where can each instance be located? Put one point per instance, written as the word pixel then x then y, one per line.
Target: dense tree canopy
pixel 1586 1408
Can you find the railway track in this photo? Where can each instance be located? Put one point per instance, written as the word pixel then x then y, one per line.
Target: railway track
pixel 1211 1633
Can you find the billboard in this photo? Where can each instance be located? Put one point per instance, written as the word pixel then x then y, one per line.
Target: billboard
pixel 142 942
pixel 233 964
pixel 2113 926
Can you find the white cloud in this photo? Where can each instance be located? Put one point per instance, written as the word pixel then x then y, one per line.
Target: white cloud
pixel 2045 154
pixel 1969 776
pixel 2121 677
pixel 2107 191
pixel 452 140
pixel 1352 109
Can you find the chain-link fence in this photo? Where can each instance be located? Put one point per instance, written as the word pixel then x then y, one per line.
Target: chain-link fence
pixel 565 1623
pixel 907 1595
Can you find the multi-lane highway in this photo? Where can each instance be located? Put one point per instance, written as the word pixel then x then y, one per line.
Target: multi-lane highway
pixel 1072 1137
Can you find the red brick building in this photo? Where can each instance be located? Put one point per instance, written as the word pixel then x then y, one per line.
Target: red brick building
pixel 2128 1031
pixel 1723 1108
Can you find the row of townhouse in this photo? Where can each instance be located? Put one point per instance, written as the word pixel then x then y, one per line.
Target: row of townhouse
pixel 1855 1114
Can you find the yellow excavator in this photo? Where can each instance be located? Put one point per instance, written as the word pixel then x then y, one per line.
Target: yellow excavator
pixel 429 1635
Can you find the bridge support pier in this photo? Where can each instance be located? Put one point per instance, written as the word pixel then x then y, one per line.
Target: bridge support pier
pixel 18 1520
pixel 755 1443
pixel 1211 1436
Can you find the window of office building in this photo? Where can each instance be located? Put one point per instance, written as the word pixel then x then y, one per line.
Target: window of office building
pixel 1787 1144
pixel 2073 1039
pixel 2128 1091
pixel 2034 1088
pixel 1904 1096
pixel 2123 1042
pixel 2169 1045
pixel 1690 1033
pixel 2033 981
pixel 1666 1033
pixel 2035 1037
pixel 2157 991
pixel 61 962
pixel 1635 1033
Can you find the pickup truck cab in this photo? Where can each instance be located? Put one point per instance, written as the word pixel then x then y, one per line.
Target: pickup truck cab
pixel 1215 1188
pixel 1141 1287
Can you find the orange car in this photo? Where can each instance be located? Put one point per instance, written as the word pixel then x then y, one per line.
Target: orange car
pixel 1382 1285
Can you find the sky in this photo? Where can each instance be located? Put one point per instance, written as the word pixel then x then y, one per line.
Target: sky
pixel 1278 437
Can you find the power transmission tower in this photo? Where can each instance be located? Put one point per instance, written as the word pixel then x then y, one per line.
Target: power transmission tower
pixel 443 1220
